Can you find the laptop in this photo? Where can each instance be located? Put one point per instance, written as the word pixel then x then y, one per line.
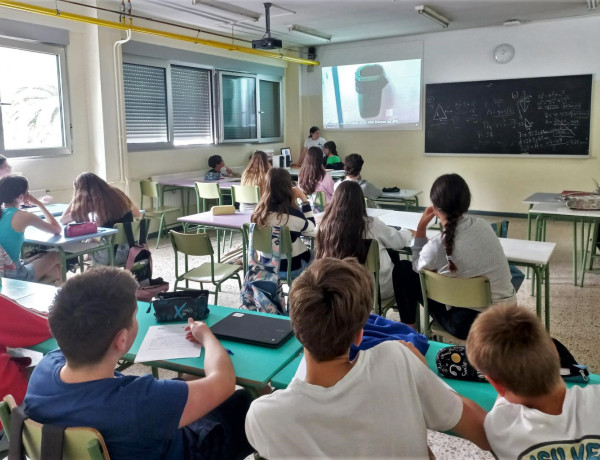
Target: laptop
pixel 266 331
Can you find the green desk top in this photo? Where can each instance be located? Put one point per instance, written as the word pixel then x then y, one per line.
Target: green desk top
pixel 480 392
pixel 254 365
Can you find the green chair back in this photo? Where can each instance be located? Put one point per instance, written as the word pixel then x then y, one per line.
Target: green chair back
pixel 319 199
pixel 121 237
pixel 191 244
pixel 458 292
pixel 149 189
pixel 207 191
pixel 245 194
pixel 79 443
pixel 501 228
pixel 262 243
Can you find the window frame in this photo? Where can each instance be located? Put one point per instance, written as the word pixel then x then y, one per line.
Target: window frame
pixel 258 78
pixel 166 64
pixel 63 94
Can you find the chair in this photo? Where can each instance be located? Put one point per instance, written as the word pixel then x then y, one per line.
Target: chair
pixel 458 292
pixel 157 211
pixel 319 200
pixel 198 244
pixel 262 243
pixel 206 192
pixel 249 194
pixel 79 443
pixel 121 236
pixel 382 306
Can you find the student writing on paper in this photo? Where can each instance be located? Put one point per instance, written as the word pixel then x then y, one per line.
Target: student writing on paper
pixel 14 192
pixel 93 319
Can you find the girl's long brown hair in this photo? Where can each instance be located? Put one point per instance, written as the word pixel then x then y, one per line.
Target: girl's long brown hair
pixel 256 170
pixel 93 194
pixel 277 197
pixel 342 230
pixel 311 171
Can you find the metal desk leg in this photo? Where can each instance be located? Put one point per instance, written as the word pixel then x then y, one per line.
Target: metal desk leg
pixel 585 247
pixel 538 284
pixel 575 257
pixel 547 296
pixel 528 234
pixel 63 264
pixel 111 252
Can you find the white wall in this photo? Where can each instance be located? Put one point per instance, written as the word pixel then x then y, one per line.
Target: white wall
pixel 549 48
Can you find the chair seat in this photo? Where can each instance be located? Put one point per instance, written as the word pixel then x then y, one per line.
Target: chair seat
pixel 160 210
pixel 436 329
pixel 201 274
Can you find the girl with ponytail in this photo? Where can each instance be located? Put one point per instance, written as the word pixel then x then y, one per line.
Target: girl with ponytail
pixel 466 248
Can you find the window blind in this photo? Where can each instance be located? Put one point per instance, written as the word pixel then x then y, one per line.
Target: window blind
pixel 270 121
pixel 145 103
pixel 191 94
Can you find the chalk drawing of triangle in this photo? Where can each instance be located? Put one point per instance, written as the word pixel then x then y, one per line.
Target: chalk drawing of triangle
pixel 563 130
pixel 440 114
pixel 528 124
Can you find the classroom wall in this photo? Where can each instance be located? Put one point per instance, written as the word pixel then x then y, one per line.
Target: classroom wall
pixel 548 48
pixel 93 95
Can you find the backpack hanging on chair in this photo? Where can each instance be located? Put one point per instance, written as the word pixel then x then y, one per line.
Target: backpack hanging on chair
pixel 139 262
pixel 262 290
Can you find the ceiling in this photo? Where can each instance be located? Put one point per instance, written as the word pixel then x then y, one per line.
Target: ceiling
pixel 349 20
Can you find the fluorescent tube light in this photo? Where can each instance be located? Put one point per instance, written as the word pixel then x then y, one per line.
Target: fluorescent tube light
pixel 308 31
pixel 592 4
pixel 433 15
pixel 228 8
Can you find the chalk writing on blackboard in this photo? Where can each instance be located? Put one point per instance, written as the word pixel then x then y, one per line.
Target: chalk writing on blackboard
pixel 534 116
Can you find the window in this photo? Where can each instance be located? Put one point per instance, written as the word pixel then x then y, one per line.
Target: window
pixel 34 116
pixel 167 105
pixel 250 108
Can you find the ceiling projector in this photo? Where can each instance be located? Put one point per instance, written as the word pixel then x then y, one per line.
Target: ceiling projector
pixel 267 43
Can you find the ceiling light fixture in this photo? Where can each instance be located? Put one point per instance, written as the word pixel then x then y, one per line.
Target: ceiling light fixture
pixel 308 31
pixel 511 22
pixel 592 4
pixel 433 15
pixel 228 8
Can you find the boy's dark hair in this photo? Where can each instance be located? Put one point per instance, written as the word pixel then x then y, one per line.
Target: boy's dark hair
pixel 214 160
pixel 89 310
pixel 11 186
pixel 329 303
pixel 510 345
pixel 353 164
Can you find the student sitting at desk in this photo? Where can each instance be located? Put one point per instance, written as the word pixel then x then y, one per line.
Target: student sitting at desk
pixel 93 319
pixel 314 139
pixel 255 174
pixel 346 225
pixel 466 248
pixel 331 158
pixel 218 169
pixel 278 206
pixel 535 415
pixel 313 177
pixel 95 200
pixel 353 167
pixel 379 405
pixel 13 222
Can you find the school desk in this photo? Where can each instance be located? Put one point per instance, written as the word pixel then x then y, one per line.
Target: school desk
pixel 56 209
pixel 407 198
pixel 480 392
pixel 254 365
pixel 36 296
pixel 335 174
pixel 186 185
pixel 72 246
pixel 558 211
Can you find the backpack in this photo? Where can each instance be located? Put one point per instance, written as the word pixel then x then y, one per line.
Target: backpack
pixel 262 289
pixel 139 262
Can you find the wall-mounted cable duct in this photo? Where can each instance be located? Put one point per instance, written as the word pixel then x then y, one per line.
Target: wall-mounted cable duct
pixel 118 61
pixel 144 30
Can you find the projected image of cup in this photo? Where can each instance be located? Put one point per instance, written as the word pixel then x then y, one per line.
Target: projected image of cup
pixel 370 81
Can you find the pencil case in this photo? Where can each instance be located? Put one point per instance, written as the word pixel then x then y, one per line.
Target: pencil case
pixel 222 210
pixel 180 305
pixel 81 228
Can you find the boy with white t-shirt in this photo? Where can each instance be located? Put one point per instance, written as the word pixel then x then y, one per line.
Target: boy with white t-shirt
pixel 377 406
pixel 535 416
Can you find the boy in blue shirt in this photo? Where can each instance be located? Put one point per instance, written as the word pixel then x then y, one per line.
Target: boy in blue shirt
pixel 93 319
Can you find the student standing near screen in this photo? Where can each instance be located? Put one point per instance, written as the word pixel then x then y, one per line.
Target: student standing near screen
pixel 314 139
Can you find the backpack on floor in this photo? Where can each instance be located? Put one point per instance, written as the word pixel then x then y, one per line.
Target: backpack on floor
pixel 262 289
pixel 139 262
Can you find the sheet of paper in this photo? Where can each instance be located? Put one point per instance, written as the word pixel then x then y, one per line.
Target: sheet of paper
pixel 167 342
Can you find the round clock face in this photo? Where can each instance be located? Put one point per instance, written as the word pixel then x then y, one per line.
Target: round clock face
pixel 504 53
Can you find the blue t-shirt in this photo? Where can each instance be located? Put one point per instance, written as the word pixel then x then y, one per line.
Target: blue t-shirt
pixel 138 417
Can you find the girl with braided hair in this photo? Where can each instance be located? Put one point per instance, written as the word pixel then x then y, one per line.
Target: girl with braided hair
pixel 466 248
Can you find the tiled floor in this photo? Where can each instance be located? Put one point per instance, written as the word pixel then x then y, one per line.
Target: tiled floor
pixel 575 314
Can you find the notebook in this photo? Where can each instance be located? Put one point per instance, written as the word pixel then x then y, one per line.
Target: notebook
pixel 260 330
